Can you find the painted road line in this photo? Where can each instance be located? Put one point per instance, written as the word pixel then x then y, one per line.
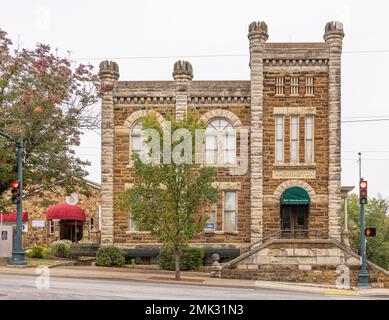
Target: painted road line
pixel 342 292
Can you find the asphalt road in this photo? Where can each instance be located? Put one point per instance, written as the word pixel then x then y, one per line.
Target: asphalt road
pixel 24 288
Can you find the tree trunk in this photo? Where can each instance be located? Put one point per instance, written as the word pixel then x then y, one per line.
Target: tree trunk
pixel 178 272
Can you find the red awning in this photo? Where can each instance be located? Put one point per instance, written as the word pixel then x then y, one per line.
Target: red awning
pixel 65 211
pixel 11 217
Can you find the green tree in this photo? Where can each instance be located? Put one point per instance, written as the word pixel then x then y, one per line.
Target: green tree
pixel 376 216
pixel 169 200
pixel 48 100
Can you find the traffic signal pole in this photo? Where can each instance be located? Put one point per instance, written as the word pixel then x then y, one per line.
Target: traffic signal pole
pixel 18 253
pixel 363 279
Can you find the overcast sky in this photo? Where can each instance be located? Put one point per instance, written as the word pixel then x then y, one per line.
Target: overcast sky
pixel 146 37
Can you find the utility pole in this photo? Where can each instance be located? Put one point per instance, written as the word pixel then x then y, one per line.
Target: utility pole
pixel 18 253
pixel 363 280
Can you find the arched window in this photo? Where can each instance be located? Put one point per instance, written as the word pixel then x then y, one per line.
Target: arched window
pixel 138 144
pixel 220 143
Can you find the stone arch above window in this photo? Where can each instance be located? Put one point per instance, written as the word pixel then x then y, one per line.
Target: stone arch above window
pixel 294 183
pixel 220 113
pixel 137 115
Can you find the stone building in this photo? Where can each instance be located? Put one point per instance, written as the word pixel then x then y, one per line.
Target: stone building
pixel 291 192
pixel 48 217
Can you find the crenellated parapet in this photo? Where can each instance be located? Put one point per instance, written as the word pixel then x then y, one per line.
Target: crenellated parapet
pixel 182 70
pixel 108 71
pixel 258 30
pixel 333 31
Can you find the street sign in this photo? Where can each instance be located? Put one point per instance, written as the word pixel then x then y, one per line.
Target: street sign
pixel 38 223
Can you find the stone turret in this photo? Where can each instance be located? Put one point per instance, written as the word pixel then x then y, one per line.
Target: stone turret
pixel 182 74
pixel 257 36
pixel 109 74
pixel 109 71
pixel 333 36
pixel 182 70
pixel 258 31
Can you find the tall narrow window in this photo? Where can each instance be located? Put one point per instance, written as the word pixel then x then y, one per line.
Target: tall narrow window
pixel 229 211
pixel 51 227
pixel 279 139
pixel 131 224
pixel 138 143
pixel 91 224
pixel 220 143
pixel 294 139
pixel 280 82
pixel 211 222
pixel 294 85
pixel 309 86
pixel 309 139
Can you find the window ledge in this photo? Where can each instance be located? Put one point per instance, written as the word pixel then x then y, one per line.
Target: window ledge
pixel 216 232
pixel 129 232
pixel 294 165
pixel 309 95
pixel 221 165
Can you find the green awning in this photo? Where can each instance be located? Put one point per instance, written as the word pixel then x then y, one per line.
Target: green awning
pixel 295 195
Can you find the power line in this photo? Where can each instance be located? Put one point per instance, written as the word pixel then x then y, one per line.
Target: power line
pixel 221 55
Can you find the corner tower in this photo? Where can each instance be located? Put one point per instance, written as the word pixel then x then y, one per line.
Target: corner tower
pixel 333 36
pixel 109 74
pixel 257 36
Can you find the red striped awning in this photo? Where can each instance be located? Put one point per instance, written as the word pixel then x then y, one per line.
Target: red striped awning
pixel 12 216
pixel 64 211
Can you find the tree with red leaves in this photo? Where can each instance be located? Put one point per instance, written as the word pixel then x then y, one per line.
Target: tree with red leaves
pixel 49 101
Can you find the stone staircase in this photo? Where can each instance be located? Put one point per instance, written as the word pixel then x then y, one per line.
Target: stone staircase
pixel 318 259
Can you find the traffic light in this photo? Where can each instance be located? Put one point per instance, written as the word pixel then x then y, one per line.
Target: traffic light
pixel 15 191
pixel 370 232
pixel 363 192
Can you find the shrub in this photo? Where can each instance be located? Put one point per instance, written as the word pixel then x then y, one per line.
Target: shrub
pixel 191 258
pixel 37 252
pixel 61 248
pixel 110 256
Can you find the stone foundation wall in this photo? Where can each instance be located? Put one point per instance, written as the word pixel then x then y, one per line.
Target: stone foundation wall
pixel 302 261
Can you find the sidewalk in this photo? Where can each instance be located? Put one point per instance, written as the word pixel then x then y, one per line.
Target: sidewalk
pixel 187 278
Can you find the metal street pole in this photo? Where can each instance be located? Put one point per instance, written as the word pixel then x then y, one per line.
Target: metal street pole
pixel 18 253
pixel 363 280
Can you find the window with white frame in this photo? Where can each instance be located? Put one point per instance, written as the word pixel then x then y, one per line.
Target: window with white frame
pixel 309 85
pixel 294 85
pixel 138 143
pixel 309 133
pixel 220 143
pixel 131 224
pixel 91 224
pixel 279 139
pixel 211 222
pixel 51 227
pixel 294 139
pixel 230 211
pixel 280 83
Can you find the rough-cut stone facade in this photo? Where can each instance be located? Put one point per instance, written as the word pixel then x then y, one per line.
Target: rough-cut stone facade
pixel 36 207
pixel 250 104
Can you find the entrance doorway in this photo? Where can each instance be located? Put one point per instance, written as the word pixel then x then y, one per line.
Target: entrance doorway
pixel 294 221
pixel 71 230
pixel 294 213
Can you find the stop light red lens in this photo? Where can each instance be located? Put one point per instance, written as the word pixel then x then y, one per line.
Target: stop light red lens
pixel 363 184
pixel 14 184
